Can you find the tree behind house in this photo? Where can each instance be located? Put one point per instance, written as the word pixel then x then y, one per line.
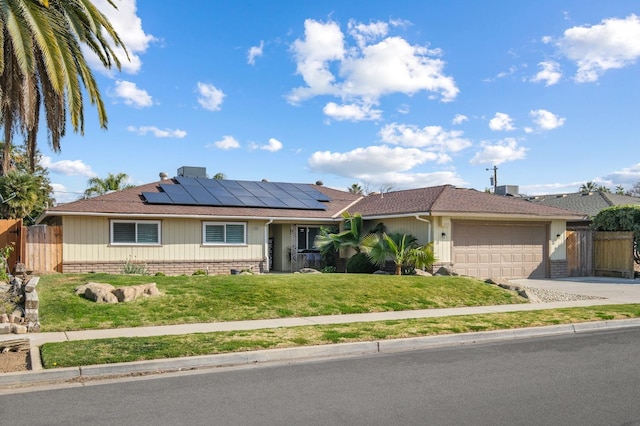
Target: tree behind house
pixel 113 182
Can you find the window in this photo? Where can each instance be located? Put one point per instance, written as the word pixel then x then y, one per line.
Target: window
pixel 307 237
pixel 224 233
pixel 135 232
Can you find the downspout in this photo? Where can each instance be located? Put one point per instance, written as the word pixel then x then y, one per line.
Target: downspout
pixel 266 244
pixel 429 240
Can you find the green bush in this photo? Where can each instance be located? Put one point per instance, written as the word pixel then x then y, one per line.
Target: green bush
pixel 359 263
pixel 160 274
pixel 200 272
pixel 134 268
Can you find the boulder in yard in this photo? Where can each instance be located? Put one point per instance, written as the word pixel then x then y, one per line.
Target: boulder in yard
pixel 131 293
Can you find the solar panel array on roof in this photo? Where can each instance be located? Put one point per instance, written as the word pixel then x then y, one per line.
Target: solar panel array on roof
pixel 234 193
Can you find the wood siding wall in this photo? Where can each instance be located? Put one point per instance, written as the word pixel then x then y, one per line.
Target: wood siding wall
pixel 86 239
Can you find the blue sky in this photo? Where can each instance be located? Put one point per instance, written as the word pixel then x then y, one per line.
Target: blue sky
pixel 399 94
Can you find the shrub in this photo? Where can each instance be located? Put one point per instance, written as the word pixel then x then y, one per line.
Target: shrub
pixel 134 268
pixel 200 272
pixel 359 263
pixel 160 274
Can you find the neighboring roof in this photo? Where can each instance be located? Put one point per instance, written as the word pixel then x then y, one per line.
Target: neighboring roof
pixel 448 199
pixel 442 200
pixel 131 202
pixel 588 203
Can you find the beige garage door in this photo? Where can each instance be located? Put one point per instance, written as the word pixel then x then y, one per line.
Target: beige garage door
pixel 491 250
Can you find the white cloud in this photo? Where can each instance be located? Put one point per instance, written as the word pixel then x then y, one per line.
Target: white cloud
pixel 549 74
pixel 362 161
pixel 503 151
pixel 255 52
pixel 365 71
pixel 351 112
pixel 67 167
pixel 158 133
pixel 367 33
pixel 131 95
pixel 210 97
pixel 614 43
pixel 128 25
pixel 399 180
pixel 459 119
pixel 432 138
pixel 273 145
pixel 628 176
pixel 227 142
pixel 546 120
pixel 501 121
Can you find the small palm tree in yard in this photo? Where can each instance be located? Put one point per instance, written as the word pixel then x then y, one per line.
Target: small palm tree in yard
pixel 402 249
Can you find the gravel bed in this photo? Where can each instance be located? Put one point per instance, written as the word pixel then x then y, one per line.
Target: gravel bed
pixel 557 296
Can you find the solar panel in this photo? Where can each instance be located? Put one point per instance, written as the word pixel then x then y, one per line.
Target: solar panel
pixel 214 192
pixel 178 194
pixel 157 198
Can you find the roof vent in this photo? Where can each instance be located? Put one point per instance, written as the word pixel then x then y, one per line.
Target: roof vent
pixel 319 183
pixel 512 190
pixel 193 172
pixel 164 176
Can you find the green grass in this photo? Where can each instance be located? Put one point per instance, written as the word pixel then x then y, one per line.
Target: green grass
pixel 104 351
pixel 193 299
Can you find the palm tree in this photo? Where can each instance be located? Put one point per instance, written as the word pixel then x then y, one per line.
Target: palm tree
pixel 42 64
pixel 350 237
pixel 588 187
pixel 113 182
pixel 355 188
pixel 402 249
pixel 20 194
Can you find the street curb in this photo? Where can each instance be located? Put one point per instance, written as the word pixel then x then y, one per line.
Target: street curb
pixel 339 350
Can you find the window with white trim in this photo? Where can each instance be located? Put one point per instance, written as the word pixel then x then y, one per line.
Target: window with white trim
pixel 144 232
pixel 232 233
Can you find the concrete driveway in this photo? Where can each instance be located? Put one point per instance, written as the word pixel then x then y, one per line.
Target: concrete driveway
pixel 618 290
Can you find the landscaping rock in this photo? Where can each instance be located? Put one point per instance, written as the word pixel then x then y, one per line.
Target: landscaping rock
pixel 423 273
pixel 100 293
pixel 131 293
pixel 81 289
pixel 309 271
pixel 445 272
pixel 18 329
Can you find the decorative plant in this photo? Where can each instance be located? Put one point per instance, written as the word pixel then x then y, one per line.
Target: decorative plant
pixel 134 268
pixel 402 249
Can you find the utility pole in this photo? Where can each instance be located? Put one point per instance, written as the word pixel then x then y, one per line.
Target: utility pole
pixel 494 179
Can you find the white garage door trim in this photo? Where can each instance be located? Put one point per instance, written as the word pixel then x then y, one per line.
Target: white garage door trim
pixel 500 249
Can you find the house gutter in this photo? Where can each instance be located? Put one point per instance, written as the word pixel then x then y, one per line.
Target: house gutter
pixel 421 219
pixel 266 243
pixel 174 216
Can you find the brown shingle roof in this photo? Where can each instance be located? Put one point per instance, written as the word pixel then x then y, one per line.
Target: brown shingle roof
pixel 432 200
pixel 449 199
pixel 130 202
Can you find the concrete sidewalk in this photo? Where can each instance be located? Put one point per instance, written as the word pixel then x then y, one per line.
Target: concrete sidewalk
pixel 608 290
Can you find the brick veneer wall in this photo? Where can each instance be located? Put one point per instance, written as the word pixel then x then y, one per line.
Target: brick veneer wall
pixel 558 269
pixel 168 268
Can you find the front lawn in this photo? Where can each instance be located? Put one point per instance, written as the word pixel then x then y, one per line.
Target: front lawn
pixel 127 349
pixel 193 299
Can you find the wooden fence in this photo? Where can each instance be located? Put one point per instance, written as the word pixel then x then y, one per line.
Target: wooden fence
pixel 44 248
pixel 613 254
pixel 11 234
pixel 604 254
